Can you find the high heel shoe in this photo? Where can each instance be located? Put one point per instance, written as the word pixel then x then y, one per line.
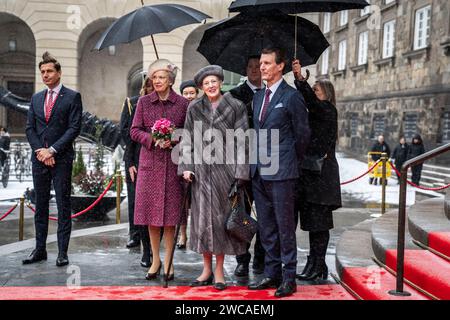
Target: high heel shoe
pixel 151 276
pixel 207 282
pixel 169 277
pixel 319 270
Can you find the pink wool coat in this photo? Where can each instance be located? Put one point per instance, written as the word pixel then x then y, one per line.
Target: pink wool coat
pixel 159 190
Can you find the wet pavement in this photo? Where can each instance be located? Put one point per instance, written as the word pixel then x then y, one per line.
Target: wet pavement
pixel 98 254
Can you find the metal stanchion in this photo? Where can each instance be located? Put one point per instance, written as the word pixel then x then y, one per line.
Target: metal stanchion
pixel 21 217
pixel 118 192
pixel 384 159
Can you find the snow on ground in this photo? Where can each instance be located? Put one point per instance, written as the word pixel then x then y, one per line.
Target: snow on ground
pixel 361 189
pixel 14 190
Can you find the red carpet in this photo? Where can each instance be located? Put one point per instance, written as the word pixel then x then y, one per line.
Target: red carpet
pixel 440 241
pixel 424 269
pixel 318 292
pixel 374 283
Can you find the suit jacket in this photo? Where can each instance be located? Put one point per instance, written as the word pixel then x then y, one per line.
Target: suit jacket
pixel 63 127
pixel 132 148
pixel 245 94
pixel 287 114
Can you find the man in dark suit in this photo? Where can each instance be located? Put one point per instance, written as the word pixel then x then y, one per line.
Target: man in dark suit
pixel 281 122
pixel 53 123
pixel 245 93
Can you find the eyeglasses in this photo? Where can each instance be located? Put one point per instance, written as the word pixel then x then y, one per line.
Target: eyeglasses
pixel 210 83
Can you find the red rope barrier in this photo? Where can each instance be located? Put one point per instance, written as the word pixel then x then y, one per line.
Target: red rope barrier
pixel 417 186
pixel 85 210
pixel 359 177
pixel 9 212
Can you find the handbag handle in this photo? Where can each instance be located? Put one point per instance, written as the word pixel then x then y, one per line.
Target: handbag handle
pixel 235 200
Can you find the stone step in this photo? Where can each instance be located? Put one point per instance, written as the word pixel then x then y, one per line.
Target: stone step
pixel 358 271
pixel 429 225
pixel 422 268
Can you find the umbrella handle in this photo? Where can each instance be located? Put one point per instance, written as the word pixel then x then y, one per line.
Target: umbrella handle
pixel 154 45
pixel 295 38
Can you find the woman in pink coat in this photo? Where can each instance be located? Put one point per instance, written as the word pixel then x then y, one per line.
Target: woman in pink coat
pixel 159 188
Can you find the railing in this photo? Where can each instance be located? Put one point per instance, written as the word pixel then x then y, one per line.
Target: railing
pixel 402 214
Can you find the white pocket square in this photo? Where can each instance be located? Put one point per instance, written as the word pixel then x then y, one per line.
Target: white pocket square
pixel 280 105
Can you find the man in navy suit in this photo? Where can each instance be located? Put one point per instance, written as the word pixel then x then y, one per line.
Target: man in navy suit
pixel 281 122
pixel 53 123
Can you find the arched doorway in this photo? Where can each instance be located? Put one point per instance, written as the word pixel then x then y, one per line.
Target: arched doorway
pixel 17 67
pixel 193 60
pixel 104 75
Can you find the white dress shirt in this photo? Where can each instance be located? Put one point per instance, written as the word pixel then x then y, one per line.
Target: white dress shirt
pixel 55 94
pixel 273 89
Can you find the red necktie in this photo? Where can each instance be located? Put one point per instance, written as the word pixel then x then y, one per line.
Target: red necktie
pixel 49 106
pixel 265 105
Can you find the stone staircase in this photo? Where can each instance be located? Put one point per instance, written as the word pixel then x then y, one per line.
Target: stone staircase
pixel 366 255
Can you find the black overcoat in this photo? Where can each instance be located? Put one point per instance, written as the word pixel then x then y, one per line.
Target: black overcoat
pixel 323 189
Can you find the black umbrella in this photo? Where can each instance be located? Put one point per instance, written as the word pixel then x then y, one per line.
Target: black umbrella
pixel 149 20
pixel 296 6
pixel 230 42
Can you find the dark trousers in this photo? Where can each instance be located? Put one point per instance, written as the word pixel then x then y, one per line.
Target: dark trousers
pixel 416 173
pixel 398 165
pixel 135 233
pixel 61 175
pixel 275 201
pixel 258 248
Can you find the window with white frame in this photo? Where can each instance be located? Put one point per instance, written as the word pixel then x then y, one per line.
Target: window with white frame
pixel 388 39
pixel 388 1
pixel 366 9
pixel 325 59
pixel 422 27
pixel 363 47
pixel 343 18
pixel 326 22
pixel 342 55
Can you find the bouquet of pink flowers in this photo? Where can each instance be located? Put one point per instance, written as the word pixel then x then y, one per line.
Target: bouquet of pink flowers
pixel 162 131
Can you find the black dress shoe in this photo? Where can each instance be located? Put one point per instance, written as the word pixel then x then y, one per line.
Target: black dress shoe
pixel 133 243
pixel 207 282
pixel 220 286
pixel 145 263
pixel 35 256
pixel 62 260
pixel 286 289
pixel 258 268
pixel 241 270
pixel 266 283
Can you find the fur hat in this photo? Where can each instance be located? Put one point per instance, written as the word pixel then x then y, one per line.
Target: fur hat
pixel 211 70
pixel 187 84
pixel 163 65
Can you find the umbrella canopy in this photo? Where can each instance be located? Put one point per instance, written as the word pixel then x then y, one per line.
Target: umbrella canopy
pixel 296 6
pixel 230 42
pixel 149 20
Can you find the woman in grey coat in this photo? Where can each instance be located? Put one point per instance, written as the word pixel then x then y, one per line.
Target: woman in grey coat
pixel 204 158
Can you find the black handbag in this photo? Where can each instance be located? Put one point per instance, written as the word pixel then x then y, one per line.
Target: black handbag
pixel 313 163
pixel 239 223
